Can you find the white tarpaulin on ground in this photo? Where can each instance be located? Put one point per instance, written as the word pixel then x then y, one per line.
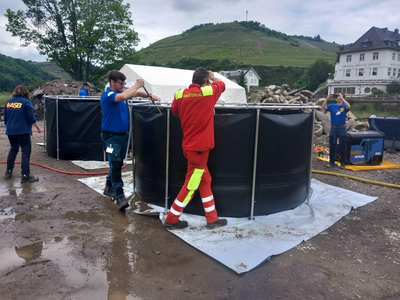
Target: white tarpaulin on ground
pixel 94 164
pixel 266 235
pixel 164 82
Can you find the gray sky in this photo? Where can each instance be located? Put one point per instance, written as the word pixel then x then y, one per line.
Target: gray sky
pixel 342 21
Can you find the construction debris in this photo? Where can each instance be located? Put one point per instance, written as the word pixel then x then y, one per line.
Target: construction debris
pixel 58 87
pixel 280 94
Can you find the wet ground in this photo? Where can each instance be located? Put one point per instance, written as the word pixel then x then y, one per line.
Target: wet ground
pixel 60 239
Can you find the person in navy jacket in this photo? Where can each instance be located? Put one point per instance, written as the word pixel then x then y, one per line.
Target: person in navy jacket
pixel 19 118
pixel 84 91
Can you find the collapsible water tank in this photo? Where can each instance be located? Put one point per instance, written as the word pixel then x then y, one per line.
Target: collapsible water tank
pixel 262 156
pixel 73 127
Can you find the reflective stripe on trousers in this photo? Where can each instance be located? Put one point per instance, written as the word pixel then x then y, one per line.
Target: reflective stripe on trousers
pixel 197 177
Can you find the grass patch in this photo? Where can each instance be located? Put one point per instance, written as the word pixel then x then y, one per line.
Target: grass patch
pixel 367 110
pixel 4 96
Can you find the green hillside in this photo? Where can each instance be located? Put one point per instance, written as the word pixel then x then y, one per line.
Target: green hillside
pixel 245 43
pixel 56 71
pixel 14 72
pixel 331 47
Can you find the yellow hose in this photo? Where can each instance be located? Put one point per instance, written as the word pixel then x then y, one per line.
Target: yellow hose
pixel 358 178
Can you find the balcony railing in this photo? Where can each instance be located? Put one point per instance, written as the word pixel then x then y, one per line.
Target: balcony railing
pixel 365 81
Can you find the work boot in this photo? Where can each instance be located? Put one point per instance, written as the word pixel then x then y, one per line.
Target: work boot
pixel 28 178
pixel 330 165
pixel 217 224
pixel 122 203
pixel 8 174
pixel 108 192
pixel 178 225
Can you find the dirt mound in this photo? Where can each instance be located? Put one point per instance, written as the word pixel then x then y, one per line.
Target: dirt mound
pixel 58 87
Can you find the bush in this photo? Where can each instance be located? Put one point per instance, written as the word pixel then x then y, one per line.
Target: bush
pixel 34 85
pixel 378 92
pixel 393 88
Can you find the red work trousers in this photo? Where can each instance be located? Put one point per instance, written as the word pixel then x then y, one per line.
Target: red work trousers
pixel 197 177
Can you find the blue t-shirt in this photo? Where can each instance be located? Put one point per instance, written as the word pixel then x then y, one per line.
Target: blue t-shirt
pixel 338 114
pixel 115 114
pixel 19 116
pixel 83 92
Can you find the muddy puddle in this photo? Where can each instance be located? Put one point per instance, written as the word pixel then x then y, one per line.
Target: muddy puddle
pixel 13 187
pixel 104 276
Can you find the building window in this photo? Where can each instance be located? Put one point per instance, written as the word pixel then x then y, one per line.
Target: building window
pixel 337 90
pixel 362 57
pixel 375 55
pixel 389 71
pixel 348 58
pixel 361 72
pixel 366 43
pixel 250 73
pixel 350 90
pixel 374 89
pixel 398 57
pixel 374 71
pixel 348 72
pixel 394 56
pixel 367 90
pixel 394 72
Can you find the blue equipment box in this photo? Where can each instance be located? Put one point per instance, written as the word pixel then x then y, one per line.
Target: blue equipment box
pixel 390 127
pixel 365 147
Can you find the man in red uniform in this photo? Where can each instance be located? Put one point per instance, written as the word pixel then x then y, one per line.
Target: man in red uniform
pixel 195 107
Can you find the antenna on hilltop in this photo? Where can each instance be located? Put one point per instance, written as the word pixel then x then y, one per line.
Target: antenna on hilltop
pixel 246 15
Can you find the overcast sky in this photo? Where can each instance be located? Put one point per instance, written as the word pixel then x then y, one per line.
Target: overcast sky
pixel 342 21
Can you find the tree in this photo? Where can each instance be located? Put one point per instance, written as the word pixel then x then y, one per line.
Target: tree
pixel 318 73
pixel 242 81
pixel 315 74
pixel 393 88
pixel 84 37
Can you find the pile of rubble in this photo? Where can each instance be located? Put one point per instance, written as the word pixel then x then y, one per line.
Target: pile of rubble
pixel 283 94
pixel 57 87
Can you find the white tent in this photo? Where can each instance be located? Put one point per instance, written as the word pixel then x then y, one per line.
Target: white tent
pixel 164 82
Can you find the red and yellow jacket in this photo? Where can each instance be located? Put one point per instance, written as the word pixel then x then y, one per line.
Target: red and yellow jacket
pixel 195 107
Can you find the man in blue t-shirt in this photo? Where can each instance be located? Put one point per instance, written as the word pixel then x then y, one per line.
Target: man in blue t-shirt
pixel 114 130
pixel 338 112
pixel 84 91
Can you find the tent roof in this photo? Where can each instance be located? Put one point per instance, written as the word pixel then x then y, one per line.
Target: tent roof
pixel 164 82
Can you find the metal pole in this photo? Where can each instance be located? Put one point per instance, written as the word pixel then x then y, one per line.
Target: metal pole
pixel 58 138
pixel 130 138
pixel 167 161
pixel 309 190
pixel 253 187
pixel 44 126
pixel 133 154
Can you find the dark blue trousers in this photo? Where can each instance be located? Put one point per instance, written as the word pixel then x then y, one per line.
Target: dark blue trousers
pixel 23 141
pixel 115 146
pixel 334 134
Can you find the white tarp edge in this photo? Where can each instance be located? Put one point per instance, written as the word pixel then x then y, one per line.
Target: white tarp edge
pixel 94 164
pixel 243 244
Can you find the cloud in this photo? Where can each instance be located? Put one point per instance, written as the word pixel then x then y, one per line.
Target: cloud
pixel 341 21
